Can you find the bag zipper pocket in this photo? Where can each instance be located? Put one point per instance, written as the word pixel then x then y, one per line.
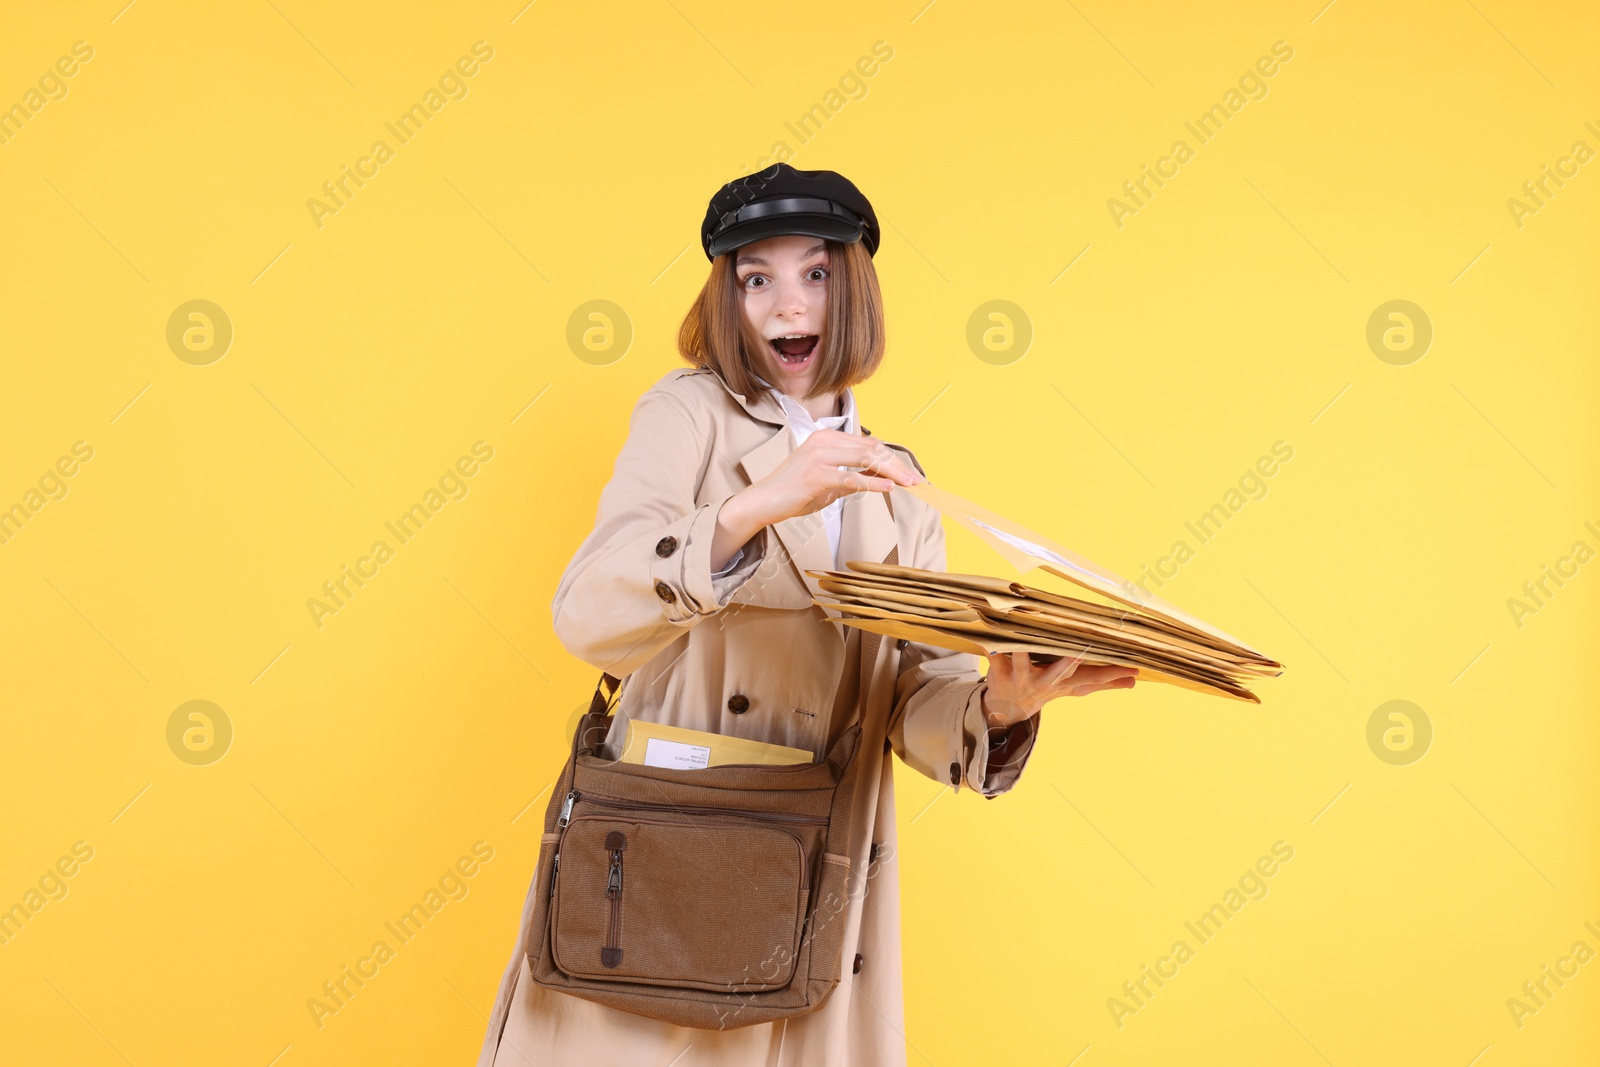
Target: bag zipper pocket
pixel 611 952
pixel 573 796
pixel 597 877
pixel 616 802
pixel 561 825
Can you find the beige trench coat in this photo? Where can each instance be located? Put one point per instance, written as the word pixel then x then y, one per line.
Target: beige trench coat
pixel 750 655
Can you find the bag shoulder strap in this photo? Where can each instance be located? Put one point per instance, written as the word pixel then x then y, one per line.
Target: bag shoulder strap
pixel 601 703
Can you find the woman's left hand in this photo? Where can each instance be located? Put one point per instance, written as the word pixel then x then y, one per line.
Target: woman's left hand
pixel 1017 689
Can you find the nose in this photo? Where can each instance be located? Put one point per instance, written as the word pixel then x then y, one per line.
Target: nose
pixel 789 300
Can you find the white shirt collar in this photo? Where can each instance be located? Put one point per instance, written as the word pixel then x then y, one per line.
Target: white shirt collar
pixel 802 420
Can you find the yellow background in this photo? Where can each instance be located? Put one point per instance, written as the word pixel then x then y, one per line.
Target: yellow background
pixel 431 312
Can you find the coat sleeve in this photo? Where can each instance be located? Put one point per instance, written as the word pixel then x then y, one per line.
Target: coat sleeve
pixel 937 725
pixel 643 575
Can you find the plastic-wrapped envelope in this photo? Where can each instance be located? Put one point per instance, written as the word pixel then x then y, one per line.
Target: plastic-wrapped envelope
pixel 656 744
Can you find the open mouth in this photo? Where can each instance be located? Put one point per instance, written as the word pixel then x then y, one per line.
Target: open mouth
pixel 794 349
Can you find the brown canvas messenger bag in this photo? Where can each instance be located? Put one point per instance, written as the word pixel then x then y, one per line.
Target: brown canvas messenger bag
pixel 713 898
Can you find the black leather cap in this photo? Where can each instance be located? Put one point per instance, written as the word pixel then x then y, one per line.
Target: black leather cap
pixel 781 200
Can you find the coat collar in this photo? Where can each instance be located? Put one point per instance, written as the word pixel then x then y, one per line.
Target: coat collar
pixel 866 529
pixel 764 407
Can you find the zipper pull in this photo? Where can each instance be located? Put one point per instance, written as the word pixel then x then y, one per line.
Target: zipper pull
pixel 566 810
pixel 615 843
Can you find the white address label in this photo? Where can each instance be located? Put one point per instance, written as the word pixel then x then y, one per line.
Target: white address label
pixel 659 752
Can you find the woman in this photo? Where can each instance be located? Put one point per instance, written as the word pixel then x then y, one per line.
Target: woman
pixel 739 474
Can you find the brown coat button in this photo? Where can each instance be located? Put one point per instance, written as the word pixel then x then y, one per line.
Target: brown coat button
pixel 664 591
pixel 738 703
pixel 955 773
pixel 855 968
pixel 901 644
pixel 666 546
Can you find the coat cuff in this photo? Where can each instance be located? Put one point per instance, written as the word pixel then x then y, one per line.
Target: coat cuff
pixel 680 568
pixel 989 770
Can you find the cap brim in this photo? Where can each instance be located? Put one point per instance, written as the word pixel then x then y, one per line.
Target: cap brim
pixel 825 226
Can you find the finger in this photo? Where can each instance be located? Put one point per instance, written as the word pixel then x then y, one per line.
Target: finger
pixel 890 467
pixel 901 472
pixel 1098 674
pixel 1063 668
pixel 1000 664
pixel 1120 683
pixel 848 448
pixel 831 437
pixel 856 482
pixel 1095 687
pixel 847 451
pixel 855 451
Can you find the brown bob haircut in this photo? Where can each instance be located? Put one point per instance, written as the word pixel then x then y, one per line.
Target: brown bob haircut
pixel 716 333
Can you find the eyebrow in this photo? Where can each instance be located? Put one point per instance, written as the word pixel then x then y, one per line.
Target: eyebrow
pixel 813 250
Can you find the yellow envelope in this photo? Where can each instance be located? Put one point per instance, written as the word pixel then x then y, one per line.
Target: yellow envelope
pixel 656 744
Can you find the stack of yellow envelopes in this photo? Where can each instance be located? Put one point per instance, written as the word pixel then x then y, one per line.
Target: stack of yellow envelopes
pixel 973 613
pixel 982 615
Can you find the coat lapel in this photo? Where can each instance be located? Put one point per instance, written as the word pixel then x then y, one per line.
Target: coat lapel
pixel 804 537
pixel 868 531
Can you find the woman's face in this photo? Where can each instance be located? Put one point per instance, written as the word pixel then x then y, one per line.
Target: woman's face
pixel 783 282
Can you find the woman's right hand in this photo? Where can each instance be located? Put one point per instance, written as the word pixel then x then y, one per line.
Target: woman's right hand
pixel 808 480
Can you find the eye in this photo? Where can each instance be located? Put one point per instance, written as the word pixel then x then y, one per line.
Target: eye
pixel 817 274
pixel 749 279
